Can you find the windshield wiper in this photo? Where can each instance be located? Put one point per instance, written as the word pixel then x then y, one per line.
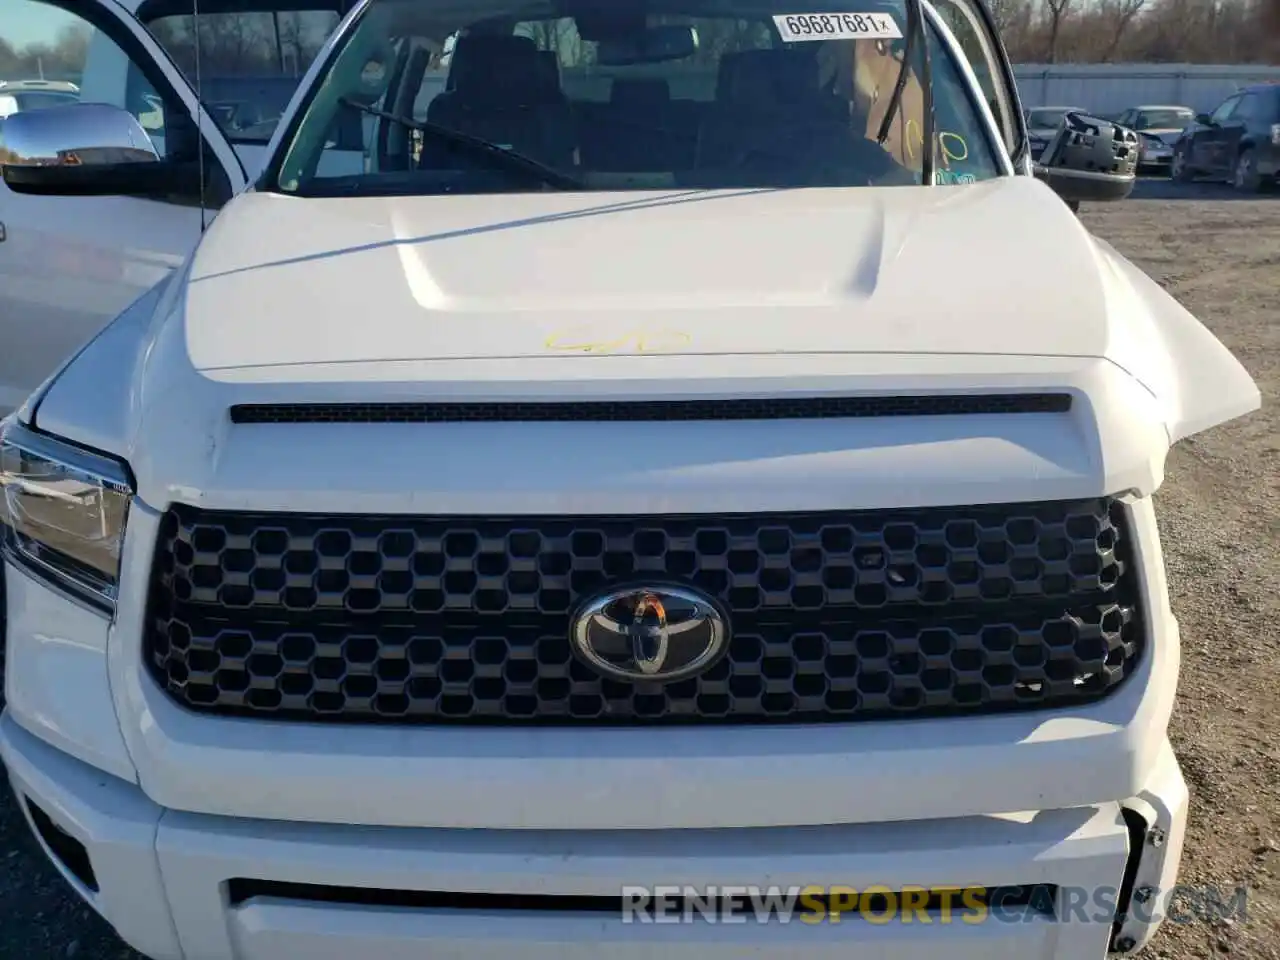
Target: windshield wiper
pixel 916 34
pixel 498 156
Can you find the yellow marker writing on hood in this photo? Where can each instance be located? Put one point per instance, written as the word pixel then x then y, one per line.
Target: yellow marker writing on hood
pixel 641 340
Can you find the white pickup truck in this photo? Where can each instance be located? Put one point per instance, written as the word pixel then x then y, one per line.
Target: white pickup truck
pixel 631 464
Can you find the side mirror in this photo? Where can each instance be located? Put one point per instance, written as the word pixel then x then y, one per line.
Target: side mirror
pixel 87 149
pixel 1204 120
pixel 1090 159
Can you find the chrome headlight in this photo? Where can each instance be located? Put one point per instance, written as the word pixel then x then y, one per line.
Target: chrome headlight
pixel 63 511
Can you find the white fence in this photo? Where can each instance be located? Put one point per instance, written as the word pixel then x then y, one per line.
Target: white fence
pixel 1111 87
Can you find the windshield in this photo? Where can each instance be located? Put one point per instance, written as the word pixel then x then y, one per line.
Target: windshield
pixel 627 94
pixel 38 101
pixel 1157 119
pixel 1048 119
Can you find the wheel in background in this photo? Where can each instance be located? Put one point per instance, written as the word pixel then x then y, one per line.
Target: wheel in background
pixel 1180 170
pixel 1246 178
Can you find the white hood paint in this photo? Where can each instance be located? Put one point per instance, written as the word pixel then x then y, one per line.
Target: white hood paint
pixel 756 293
pixel 281 281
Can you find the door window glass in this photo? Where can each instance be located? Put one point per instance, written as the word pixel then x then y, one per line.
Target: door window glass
pixel 1246 108
pixel 252 57
pixel 1270 107
pixel 71 51
pixel 980 49
pixel 1224 110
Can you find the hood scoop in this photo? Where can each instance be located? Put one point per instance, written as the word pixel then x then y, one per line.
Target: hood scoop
pixel 632 411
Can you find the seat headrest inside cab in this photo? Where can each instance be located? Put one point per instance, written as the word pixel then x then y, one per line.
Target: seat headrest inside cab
pixel 487 67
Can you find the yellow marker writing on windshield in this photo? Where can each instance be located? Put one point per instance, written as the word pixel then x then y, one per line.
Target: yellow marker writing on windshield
pixel 586 340
pixel 953 146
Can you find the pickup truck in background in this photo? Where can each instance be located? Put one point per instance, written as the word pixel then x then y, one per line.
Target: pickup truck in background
pixel 67 268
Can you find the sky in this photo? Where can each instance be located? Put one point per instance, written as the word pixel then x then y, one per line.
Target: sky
pixel 33 22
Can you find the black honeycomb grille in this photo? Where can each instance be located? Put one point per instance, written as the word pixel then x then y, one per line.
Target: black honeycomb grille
pixel 835 616
pixel 620 411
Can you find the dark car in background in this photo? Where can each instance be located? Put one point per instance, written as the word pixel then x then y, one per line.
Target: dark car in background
pixel 1158 127
pixel 1043 123
pixel 1238 142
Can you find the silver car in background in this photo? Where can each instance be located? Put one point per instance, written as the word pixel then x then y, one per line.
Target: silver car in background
pixel 1158 128
pixel 1043 123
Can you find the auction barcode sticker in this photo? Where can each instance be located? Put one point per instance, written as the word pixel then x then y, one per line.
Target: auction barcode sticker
pixel 837 26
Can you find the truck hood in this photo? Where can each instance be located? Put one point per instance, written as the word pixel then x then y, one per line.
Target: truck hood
pixel 280 281
pixel 362 303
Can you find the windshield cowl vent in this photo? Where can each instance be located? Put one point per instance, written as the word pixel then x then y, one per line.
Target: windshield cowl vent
pixel 633 411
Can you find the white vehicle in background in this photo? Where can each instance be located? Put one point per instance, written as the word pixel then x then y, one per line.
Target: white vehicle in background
pixel 641 469
pixel 18 95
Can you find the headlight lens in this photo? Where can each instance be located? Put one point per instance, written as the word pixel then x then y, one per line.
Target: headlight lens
pixel 63 511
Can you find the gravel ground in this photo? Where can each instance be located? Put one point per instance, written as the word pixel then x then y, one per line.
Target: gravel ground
pixel 1220 518
pixel 1219 514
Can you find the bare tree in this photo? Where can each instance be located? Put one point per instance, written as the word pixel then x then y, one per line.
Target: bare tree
pixel 1010 16
pixel 1269 13
pixel 8 59
pixel 1057 12
pixel 1117 17
pixel 1269 32
pixel 289 41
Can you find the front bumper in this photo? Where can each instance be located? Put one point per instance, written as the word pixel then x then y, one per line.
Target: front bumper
pixel 198 887
pixel 1155 157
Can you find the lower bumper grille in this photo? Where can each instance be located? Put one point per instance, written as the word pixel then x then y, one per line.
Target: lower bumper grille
pixel 1039 898
pixel 834 616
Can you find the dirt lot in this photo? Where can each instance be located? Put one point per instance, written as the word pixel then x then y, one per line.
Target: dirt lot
pixel 1220 522
pixel 1220 514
